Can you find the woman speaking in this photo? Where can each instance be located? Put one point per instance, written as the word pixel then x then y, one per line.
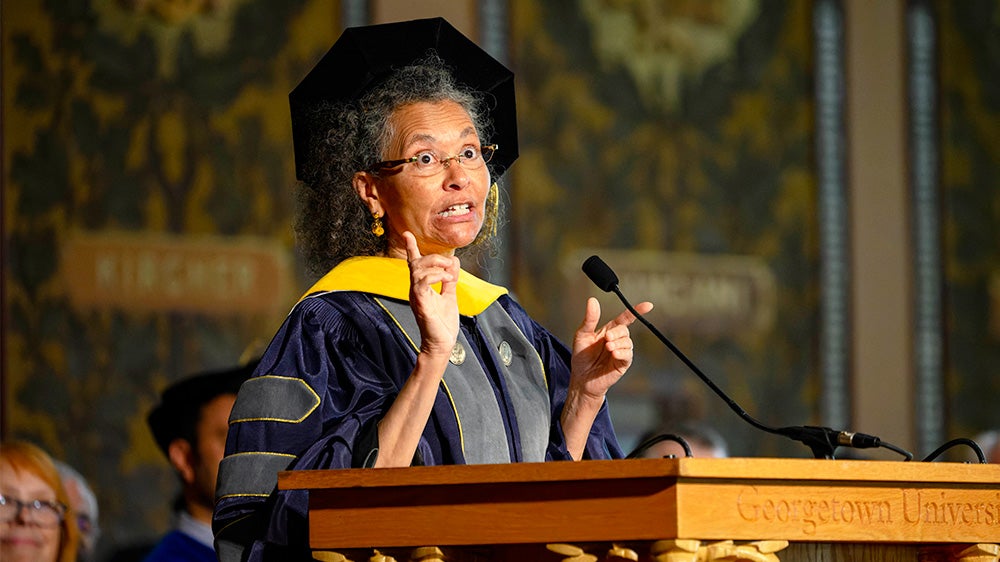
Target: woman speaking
pixel 397 356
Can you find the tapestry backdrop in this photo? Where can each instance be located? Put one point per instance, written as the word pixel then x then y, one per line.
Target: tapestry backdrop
pixel 674 140
pixel 969 59
pixel 148 199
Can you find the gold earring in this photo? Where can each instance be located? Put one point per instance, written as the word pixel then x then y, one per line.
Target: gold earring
pixel 493 207
pixel 377 229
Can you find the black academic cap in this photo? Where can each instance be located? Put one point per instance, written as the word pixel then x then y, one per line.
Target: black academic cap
pixel 363 56
pixel 180 405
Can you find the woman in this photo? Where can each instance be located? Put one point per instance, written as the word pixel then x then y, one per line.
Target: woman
pixel 36 524
pixel 397 357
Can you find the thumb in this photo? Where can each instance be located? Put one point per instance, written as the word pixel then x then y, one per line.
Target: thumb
pixel 591 316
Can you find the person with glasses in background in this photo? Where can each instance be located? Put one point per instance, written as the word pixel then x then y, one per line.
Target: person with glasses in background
pixel 36 522
pixel 397 356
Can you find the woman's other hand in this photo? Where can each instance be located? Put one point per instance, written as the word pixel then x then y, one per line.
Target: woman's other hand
pixel 600 359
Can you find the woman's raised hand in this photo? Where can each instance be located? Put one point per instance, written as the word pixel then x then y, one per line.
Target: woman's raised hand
pixel 436 311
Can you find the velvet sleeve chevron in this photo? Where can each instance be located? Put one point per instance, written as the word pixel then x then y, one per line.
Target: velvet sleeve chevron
pixel 316 396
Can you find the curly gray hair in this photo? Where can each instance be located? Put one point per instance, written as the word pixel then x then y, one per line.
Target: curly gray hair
pixel 332 223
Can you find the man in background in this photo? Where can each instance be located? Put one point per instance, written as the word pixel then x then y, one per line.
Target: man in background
pixel 190 426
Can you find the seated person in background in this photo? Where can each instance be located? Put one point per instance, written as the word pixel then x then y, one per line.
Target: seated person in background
pixel 84 503
pixel 190 426
pixel 990 443
pixel 704 441
pixel 397 356
pixel 36 522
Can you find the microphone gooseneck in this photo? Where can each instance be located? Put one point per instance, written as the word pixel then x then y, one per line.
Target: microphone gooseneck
pixel 822 440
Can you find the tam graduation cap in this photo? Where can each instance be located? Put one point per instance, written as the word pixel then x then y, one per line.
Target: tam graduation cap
pixel 363 56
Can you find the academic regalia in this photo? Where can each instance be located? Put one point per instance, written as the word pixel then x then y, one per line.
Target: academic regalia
pixel 335 366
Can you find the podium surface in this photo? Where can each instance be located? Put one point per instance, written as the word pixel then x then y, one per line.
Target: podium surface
pixel 739 499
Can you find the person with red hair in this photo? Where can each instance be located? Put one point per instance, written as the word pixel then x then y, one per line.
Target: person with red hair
pixel 36 521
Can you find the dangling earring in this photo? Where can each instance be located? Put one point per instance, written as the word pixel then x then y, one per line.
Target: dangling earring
pixel 491 220
pixel 493 208
pixel 377 229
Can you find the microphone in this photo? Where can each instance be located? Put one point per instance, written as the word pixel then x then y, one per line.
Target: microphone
pixel 823 441
pixel 601 274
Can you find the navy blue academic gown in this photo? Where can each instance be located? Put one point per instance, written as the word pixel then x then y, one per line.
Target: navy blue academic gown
pixel 328 377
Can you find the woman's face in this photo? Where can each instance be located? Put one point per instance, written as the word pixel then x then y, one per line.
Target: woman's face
pixel 22 539
pixel 444 211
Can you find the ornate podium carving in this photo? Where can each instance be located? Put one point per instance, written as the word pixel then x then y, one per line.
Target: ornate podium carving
pixel 659 509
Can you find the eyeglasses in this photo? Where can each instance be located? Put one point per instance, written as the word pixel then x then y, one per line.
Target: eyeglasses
pixel 39 512
pixel 427 163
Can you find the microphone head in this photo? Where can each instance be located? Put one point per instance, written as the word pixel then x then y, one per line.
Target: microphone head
pixel 600 274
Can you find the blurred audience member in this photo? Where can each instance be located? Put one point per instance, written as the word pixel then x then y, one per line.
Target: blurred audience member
pixel 84 503
pixel 704 441
pixel 37 523
pixel 989 441
pixel 190 426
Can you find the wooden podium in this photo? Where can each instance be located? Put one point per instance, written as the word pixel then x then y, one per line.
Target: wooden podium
pixel 675 510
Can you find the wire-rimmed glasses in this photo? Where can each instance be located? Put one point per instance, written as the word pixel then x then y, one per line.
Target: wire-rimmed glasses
pixel 427 163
